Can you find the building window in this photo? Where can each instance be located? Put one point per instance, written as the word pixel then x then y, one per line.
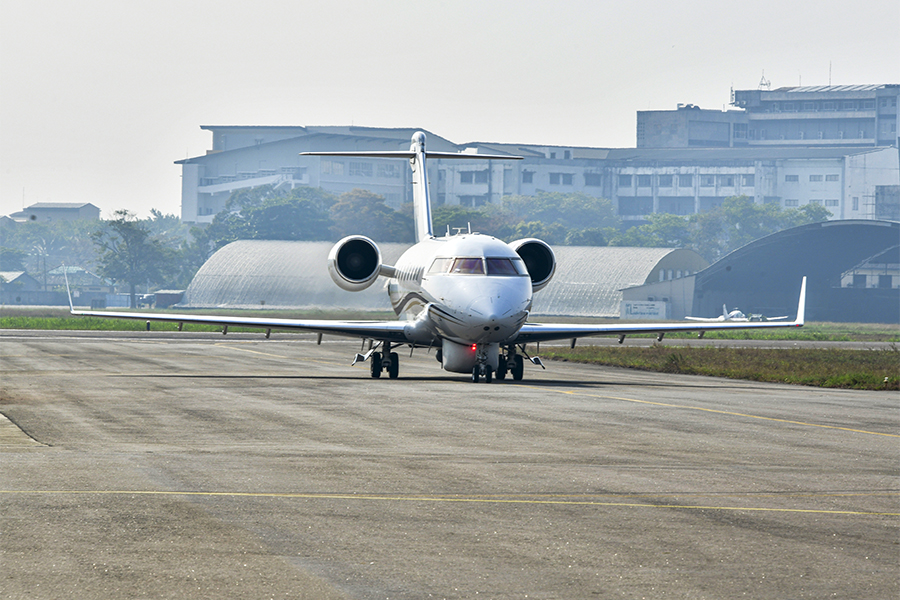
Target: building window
pixel 665 181
pixel 567 154
pixel 561 178
pixel 685 181
pixel 473 176
pixel 789 203
pixel 832 178
pixel 593 179
pixel 791 178
pixel 360 169
pixel 740 131
pixel 855 202
pixel 748 180
pixel 726 180
pixel 789 107
pixel 868 105
pixel 831 203
pixel 848 105
pixel 625 181
pixel 810 106
pixel 817 201
pixel 828 106
pixel 527 176
pixel 393 171
pixel 885 281
pixel 643 181
pixel 815 178
pixel 332 167
pixel 707 181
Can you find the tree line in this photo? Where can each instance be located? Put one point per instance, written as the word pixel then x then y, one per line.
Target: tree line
pixel 162 251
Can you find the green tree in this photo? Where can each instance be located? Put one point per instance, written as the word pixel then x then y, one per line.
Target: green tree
pixel 455 217
pixel 12 260
pixel 572 211
pixel 737 222
pixel 264 213
pixel 364 213
pixel 128 253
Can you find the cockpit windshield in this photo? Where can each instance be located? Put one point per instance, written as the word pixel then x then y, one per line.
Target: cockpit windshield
pixel 476 265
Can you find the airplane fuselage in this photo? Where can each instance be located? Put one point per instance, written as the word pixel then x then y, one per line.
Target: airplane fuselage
pixel 468 289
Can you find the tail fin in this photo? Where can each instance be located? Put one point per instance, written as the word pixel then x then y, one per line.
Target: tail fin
pixel 421 198
pixel 801 305
pixel 416 156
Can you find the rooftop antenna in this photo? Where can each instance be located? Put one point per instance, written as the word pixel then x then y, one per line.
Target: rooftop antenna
pixel 829 73
pixel 764 84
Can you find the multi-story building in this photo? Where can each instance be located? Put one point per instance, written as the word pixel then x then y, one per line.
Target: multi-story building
pixel 690 126
pixel 639 181
pixel 819 116
pixel 840 115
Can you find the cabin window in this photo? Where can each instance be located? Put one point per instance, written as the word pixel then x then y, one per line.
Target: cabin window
pixel 440 265
pixel 468 266
pixel 505 266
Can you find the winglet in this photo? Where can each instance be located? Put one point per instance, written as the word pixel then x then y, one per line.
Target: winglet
pixel 801 305
pixel 68 291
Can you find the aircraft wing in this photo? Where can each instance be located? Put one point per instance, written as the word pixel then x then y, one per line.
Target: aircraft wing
pixel 380 330
pixel 538 332
pixel 706 320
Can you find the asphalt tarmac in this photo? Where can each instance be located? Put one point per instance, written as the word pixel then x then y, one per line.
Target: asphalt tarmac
pixel 151 465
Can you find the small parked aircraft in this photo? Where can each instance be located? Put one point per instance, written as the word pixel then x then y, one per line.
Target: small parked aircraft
pixel 736 315
pixel 468 295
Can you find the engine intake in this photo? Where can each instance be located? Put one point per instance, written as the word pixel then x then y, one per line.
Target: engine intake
pixel 354 263
pixel 539 260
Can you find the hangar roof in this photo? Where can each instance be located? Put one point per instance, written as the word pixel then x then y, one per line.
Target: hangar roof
pixel 283 274
pixel 765 274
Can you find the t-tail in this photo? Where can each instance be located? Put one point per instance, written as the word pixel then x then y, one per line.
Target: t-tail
pixel 421 197
pixel 417 155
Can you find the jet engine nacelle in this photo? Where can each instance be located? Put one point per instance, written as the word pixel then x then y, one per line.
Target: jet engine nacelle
pixel 354 263
pixel 539 260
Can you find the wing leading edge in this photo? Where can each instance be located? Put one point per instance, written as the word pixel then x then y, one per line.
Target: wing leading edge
pixel 537 332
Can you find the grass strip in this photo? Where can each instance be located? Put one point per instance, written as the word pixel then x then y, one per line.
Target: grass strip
pixel 830 368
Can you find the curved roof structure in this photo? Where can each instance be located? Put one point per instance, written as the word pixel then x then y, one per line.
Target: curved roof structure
pixel 589 280
pixel 279 274
pixel 283 274
pixel 765 274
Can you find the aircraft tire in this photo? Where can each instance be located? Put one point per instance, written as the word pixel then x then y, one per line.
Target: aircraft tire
pixel 394 369
pixel 501 369
pixel 487 374
pixel 476 373
pixel 375 364
pixel 518 368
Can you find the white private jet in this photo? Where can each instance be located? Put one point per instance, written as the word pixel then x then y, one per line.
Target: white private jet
pixel 468 295
pixel 737 316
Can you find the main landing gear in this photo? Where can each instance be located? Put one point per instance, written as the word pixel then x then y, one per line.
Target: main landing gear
pixel 510 362
pixel 386 361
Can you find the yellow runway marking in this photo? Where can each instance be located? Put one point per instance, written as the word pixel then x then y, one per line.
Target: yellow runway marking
pixel 712 410
pixel 440 499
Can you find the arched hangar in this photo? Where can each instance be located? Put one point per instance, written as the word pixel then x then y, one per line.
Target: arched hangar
pixel 764 276
pixel 284 274
pixel 852 269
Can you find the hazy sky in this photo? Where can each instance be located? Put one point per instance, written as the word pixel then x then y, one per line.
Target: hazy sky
pixel 99 98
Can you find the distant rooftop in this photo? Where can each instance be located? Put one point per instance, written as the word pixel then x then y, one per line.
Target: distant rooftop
pixel 60 205
pixel 829 88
